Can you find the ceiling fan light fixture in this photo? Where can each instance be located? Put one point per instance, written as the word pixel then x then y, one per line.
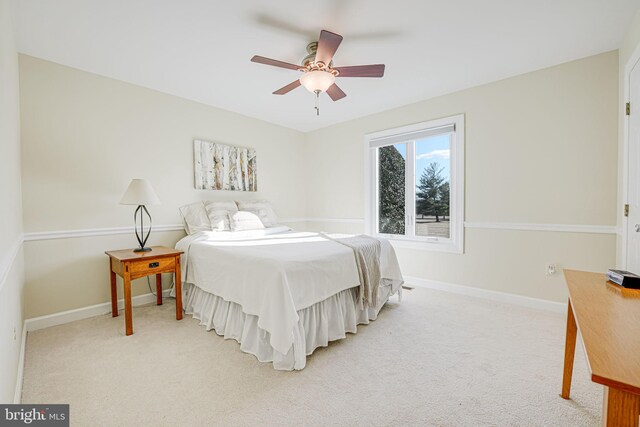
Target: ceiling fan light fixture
pixel 317 80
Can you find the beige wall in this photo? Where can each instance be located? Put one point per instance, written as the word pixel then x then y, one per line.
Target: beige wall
pixel 10 207
pixel 629 44
pixel 11 268
pixel 631 39
pixel 84 137
pixel 540 148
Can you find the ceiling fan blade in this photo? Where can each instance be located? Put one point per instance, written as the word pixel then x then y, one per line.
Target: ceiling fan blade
pixel 274 62
pixel 327 46
pixel 335 92
pixel 288 88
pixel 376 70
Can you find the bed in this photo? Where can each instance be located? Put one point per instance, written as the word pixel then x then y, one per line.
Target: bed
pixel 280 293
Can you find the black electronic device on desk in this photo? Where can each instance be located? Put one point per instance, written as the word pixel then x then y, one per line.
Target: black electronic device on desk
pixel 623 278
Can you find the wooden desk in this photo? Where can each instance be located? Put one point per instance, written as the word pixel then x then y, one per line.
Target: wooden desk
pixel 131 265
pixel 608 318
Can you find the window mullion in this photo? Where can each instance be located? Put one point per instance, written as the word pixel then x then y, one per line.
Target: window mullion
pixel 375 196
pixel 409 193
pixel 453 189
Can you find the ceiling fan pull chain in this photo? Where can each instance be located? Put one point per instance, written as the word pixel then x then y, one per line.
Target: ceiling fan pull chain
pixel 317 107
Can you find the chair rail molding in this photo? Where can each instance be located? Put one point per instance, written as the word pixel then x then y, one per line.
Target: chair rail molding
pixel 337 220
pixel 107 231
pixel 562 228
pixel 7 262
pixel 89 232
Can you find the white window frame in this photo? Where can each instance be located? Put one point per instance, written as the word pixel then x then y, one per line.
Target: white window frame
pixel 455 244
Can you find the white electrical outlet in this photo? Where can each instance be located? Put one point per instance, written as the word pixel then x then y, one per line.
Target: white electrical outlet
pixel 551 269
pixel 15 336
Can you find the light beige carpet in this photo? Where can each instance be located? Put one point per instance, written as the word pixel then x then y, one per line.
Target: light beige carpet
pixel 434 359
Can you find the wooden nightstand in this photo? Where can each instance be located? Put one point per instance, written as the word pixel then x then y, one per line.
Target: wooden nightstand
pixel 131 265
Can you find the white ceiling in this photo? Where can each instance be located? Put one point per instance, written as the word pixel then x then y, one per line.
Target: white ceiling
pixel 200 49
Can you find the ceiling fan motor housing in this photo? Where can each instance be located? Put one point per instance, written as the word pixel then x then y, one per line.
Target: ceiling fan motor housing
pixel 308 60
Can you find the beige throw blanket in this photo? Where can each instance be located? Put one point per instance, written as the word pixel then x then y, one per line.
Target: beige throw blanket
pixel 367 253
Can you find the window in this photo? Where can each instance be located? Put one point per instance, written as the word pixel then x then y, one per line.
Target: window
pixel 415 184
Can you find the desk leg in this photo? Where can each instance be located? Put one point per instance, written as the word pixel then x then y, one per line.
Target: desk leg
pixel 159 289
pixel 128 318
pixel 178 290
pixel 569 352
pixel 620 408
pixel 114 291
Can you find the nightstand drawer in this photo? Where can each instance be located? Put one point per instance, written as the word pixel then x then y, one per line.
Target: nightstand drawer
pixel 151 266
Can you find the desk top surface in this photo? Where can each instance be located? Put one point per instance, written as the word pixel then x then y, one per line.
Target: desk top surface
pixel 608 318
pixel 155 252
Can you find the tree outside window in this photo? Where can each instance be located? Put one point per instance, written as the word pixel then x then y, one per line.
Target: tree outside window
pixel 433 193
pixel 391 207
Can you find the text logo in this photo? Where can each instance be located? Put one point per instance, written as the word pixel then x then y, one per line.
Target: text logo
pixel 34 415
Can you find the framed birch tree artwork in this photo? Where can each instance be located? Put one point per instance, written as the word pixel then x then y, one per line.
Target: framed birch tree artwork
pixel 224 167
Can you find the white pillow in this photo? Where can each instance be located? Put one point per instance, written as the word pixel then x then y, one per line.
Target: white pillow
pixel 195 218
pixel 219 214
pixel 243 220
pixel 262 209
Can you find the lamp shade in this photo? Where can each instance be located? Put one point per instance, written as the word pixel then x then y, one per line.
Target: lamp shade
pixel 317 80
pixel 140 192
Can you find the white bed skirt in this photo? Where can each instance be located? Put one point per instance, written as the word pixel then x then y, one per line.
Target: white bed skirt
pixel 328 320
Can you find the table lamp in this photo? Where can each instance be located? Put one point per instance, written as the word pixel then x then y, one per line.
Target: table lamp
pixel 140 193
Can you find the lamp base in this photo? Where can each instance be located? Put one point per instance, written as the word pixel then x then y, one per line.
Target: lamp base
pixel 142 250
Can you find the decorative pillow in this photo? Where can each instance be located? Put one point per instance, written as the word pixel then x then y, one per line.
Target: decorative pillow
pixel 244 220
pixel 219 214
pixel 262 209
pixel 195 218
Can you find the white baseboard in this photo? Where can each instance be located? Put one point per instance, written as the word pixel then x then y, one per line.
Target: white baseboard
pixel 101 309
pixel 84 313
pixel 540 304
pixel 63 317
pixel 17 396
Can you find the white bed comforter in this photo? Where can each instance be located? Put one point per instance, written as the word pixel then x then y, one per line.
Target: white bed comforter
pixel 275 272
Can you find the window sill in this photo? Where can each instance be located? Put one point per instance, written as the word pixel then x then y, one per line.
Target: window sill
pixel 424 245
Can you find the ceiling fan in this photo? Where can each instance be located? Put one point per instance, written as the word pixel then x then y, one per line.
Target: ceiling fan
pixel 319 74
